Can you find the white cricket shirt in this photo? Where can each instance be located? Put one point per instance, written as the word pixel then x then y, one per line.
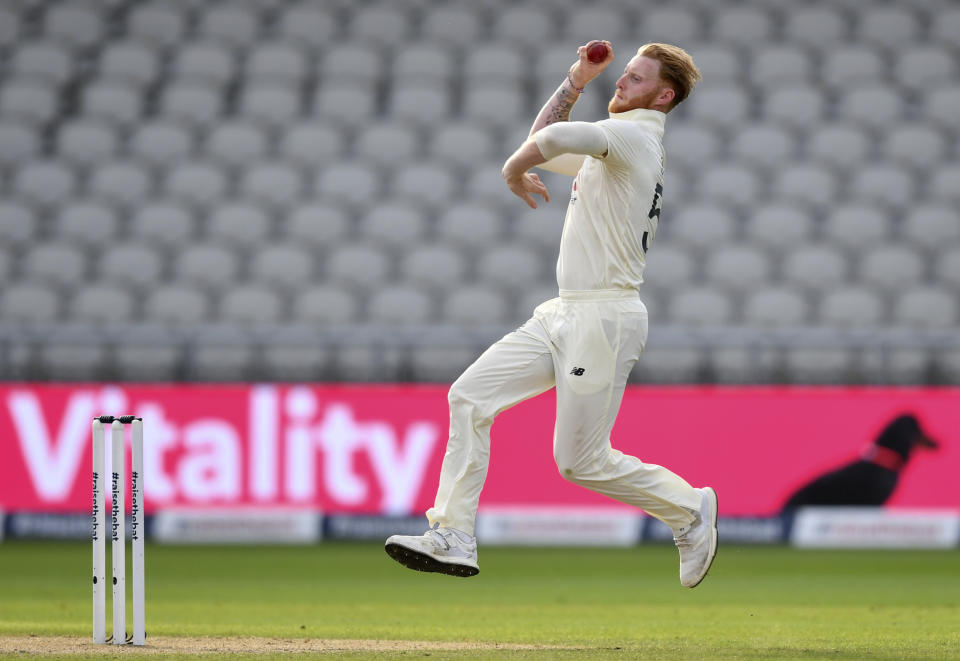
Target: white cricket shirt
pixel 615 199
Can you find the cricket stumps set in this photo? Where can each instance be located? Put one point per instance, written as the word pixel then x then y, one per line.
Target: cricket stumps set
pixel 117 530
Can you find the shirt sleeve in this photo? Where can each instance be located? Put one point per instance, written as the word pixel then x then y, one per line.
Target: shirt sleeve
pixel 624 145
pixel 565 145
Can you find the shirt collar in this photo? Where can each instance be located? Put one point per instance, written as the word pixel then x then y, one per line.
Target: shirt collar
pixel 655 119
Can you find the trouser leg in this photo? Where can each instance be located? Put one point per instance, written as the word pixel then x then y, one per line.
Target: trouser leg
pixel 515 368
pixel 585 420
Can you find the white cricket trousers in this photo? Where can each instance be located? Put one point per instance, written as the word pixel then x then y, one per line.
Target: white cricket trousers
pixel 584 343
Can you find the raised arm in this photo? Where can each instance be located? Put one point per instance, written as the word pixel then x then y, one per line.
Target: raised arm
pixel 558 107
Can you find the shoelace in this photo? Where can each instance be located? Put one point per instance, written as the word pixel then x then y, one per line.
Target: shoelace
pixel 683 542
pixel 439 536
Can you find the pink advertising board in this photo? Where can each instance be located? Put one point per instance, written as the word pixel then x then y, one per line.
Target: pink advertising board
pixel 378 449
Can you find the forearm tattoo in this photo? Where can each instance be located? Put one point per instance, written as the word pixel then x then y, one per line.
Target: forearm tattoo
pixel 559 106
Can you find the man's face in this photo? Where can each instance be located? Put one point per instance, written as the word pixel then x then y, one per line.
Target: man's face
pixel 640 86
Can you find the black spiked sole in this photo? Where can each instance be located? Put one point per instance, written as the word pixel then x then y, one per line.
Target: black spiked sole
pixel 423 562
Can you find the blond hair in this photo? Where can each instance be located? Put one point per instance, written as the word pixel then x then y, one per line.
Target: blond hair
pixel 676 68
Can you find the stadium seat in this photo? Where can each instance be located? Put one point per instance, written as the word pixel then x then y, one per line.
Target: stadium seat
pixel 236 143
pixel 383 25
pixel 74 23
pixel 701 226
pixel 9 26
pixel 932 226
pixel 387 144
pixel 509 267
pixel 277 63
pixel 852 65
pixel 946 25
pixel 717 63
pixel 86 143
pixel 926 307
pixel 160 25
pixel 349 103
pixel 162 223
pixel 18 144
pixel 273 105
pixel 208 265
pixel 204 63
pixel 851 306
pixel 48 61
pixel 916 146
pixel 669 269
pixel 719 106
pixel 856 225
pixel 470 225
pixel 940 105
pixel 63 360
pixel 873 106
pixel 700 306
pixel 924 67
pixel 129 61
pixel 583 24
pixel 815 267
pixel 44 183
pixel 18 224
pixel 27 100
pixel 691 145
pixel 274 184
pixel 365 363
pixel 121 183
pixel 399 305
pixel 306 24
pixel 131 264
pixel 238 224
pixel 160 144
pixel 944 186
pixel 762 146
pixel 524 25
pixel 806 185
pixel 440 364
pixel 217 361
pixel 114 102
pixel 142 362
pixel 780 227
pixel 86 222
pixel 193 104
pixel 229 24
pixel 888 268
pixel 737 268
pixel 351 62
pixel 282 266
pixel 887 26
pixel 779 65
pixel 325 305
pixel 394 225
pixel 250 304
pixel 311 146
pixel 101 303
pixel 418 62
pixel 196 184
pixel 816 27
pixel 423 104
pixel 731 185
pixel 55 263
pixel 452 24
pixel 741 26
pixel 497 105
pixel 539 229
pixel 675 25
pixel 348 182
pixel 435 267
pixel 29 301
pixel 316 224
pixel 771 307
pixel 887 185
pixel 795 106
pixel 342 266
pixel 947 266
pixel 425 182
pixel 531 298
pixel 813 366
pixel 841 146
pixel 494 62
pixel 663 364
pixel 473 306
pixel 462 144
pixel 295 363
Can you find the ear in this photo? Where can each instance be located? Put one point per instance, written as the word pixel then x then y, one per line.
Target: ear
pixel 666 96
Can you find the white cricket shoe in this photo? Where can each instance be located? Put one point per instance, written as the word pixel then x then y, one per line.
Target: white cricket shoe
pixel 697 542
pixel 443 550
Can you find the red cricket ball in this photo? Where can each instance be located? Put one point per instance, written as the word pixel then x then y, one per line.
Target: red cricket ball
pixel 597 53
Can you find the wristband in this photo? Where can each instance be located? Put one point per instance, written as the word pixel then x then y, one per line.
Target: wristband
pixel 570 80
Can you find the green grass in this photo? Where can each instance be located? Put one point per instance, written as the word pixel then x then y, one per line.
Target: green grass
pixel 757 603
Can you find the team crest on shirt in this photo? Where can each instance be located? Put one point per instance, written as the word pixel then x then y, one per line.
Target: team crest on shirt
pixel 573 192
